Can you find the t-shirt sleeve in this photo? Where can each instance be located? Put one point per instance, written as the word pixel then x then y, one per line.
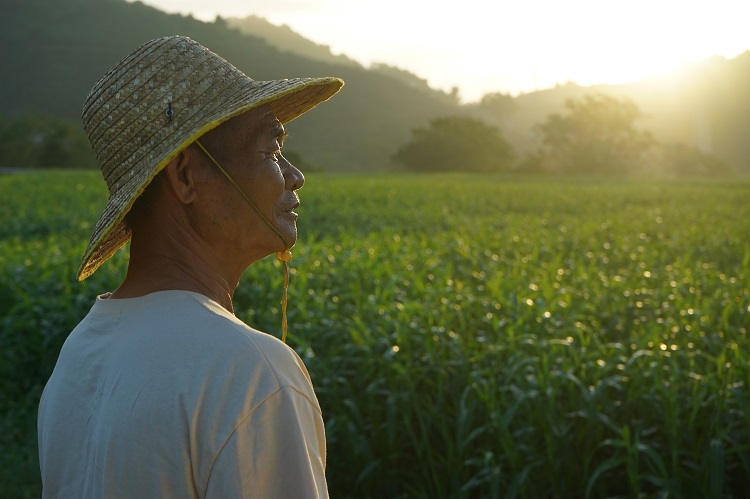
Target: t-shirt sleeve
pixel 278 451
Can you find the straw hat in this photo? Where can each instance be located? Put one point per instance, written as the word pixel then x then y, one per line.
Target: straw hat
pixel 156 102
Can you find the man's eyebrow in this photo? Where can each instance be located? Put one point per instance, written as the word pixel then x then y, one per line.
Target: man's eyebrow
pixel 277 133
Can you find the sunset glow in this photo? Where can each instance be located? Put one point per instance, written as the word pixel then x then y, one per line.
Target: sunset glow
pixel 494 46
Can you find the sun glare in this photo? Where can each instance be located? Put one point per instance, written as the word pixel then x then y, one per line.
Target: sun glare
pixel 485 46
pixel 648 40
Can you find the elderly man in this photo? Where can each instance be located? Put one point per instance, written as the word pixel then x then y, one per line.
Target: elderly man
pixel 161 391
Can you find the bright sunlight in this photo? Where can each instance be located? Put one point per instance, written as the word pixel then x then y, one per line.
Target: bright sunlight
pixel 483 46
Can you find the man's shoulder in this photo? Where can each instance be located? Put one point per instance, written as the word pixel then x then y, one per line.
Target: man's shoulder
pixel 189 313
pixel 236 332
pixel 229 338
pixel 188 326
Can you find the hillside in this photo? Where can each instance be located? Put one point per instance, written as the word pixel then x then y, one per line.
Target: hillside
pixel 61 47
pixel 287 40
pixel 705 105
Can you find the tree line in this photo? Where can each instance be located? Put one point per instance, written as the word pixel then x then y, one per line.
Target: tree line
pixel 596 134
pixel 36 141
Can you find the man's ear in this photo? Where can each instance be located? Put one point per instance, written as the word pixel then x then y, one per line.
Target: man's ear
pixel 180 175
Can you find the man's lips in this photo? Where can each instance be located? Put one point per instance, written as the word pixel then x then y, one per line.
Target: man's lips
pixel 293 207
pixel 290 209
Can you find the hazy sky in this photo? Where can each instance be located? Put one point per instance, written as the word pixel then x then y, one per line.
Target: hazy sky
pixel 485 46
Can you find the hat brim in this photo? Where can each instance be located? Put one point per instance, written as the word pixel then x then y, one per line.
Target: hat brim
pixel 288 99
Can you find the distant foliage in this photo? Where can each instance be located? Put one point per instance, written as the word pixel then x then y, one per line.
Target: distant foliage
pixel 498 104
pixel 455 144
pixel 43 142
pixel 598 134
pixel 679 160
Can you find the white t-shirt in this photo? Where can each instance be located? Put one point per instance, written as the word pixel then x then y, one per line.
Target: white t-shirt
pixel 169 395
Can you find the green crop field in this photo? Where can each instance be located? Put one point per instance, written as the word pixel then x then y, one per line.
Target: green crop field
pixel 468 336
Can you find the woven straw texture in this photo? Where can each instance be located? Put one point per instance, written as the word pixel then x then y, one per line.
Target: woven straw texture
pixel 157 101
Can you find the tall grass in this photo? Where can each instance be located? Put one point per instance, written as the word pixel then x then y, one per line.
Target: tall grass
pixel 467 336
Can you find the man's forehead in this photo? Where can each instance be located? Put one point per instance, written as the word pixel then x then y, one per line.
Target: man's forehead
pixel 262 119
pixel 258 122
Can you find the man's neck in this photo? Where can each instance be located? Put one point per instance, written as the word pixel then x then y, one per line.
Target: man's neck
pixel 172 265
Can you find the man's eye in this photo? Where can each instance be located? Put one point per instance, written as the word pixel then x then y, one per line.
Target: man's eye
pixel 274 156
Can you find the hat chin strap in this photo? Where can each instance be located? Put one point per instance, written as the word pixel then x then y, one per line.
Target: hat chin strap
pixel 284 256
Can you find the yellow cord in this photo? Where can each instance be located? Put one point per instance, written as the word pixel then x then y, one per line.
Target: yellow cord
pixel 284 256
pixel 284 301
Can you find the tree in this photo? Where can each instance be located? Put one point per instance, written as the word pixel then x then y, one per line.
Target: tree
pixel 455 143
pixel 685 161
pixel 43 142
pixel 499 105
pixel 597 135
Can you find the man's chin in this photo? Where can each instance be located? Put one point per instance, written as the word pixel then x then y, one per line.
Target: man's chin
pixel 289 231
